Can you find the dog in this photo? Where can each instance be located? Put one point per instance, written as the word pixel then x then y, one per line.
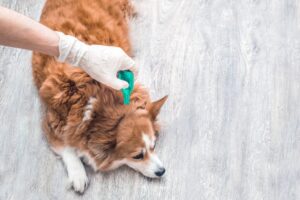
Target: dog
pixel 86 121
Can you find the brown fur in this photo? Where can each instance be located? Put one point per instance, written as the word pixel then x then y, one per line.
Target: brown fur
pixel 114 130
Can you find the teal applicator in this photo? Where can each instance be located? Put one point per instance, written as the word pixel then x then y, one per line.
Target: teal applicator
pixel 129 78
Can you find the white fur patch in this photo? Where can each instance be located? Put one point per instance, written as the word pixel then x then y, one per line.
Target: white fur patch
pixel 88 110
pixel 76 171
pixel 149 143
pixel 154 161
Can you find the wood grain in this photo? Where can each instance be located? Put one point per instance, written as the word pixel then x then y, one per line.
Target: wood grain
pixel 231 124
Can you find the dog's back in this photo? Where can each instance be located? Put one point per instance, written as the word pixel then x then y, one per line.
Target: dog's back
pixel 92 21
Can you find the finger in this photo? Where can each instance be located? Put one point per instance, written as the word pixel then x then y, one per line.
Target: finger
pixel 127 63
pixel 135 72
pixel 131 67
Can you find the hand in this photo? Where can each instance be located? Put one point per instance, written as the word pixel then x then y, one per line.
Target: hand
pixel 102 63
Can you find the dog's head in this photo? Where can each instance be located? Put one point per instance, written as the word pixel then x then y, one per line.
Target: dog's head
pixel 133 143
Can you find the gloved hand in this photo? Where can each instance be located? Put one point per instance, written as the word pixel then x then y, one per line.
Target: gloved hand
pixel 102 63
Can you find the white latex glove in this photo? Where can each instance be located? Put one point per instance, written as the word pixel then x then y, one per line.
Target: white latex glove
pixel 102 63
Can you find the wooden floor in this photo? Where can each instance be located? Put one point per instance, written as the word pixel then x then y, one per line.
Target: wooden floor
pixel 231 124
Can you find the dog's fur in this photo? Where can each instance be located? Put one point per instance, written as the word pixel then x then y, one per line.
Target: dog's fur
pixel 83 117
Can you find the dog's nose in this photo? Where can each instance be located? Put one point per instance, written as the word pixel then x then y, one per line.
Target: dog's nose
pixel 160 172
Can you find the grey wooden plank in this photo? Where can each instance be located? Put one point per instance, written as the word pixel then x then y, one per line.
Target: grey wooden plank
pixel 231 124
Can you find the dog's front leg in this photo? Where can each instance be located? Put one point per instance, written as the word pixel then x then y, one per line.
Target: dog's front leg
pixel 76 171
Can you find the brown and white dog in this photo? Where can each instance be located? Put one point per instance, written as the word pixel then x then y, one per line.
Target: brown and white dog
pixel 86 119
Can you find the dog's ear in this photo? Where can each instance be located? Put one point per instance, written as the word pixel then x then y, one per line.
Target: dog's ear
pixel 154 107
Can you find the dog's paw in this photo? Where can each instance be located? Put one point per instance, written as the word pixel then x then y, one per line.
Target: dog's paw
pixel 79 181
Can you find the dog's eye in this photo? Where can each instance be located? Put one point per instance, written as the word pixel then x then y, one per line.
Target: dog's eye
pixel 139 156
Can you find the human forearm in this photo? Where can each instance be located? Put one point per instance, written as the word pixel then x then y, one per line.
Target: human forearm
pixel 101 62
pixel 19 31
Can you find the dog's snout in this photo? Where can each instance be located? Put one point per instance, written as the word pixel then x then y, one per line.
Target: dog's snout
pixel 160 172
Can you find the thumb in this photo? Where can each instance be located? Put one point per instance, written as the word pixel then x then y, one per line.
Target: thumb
pixel 115 83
